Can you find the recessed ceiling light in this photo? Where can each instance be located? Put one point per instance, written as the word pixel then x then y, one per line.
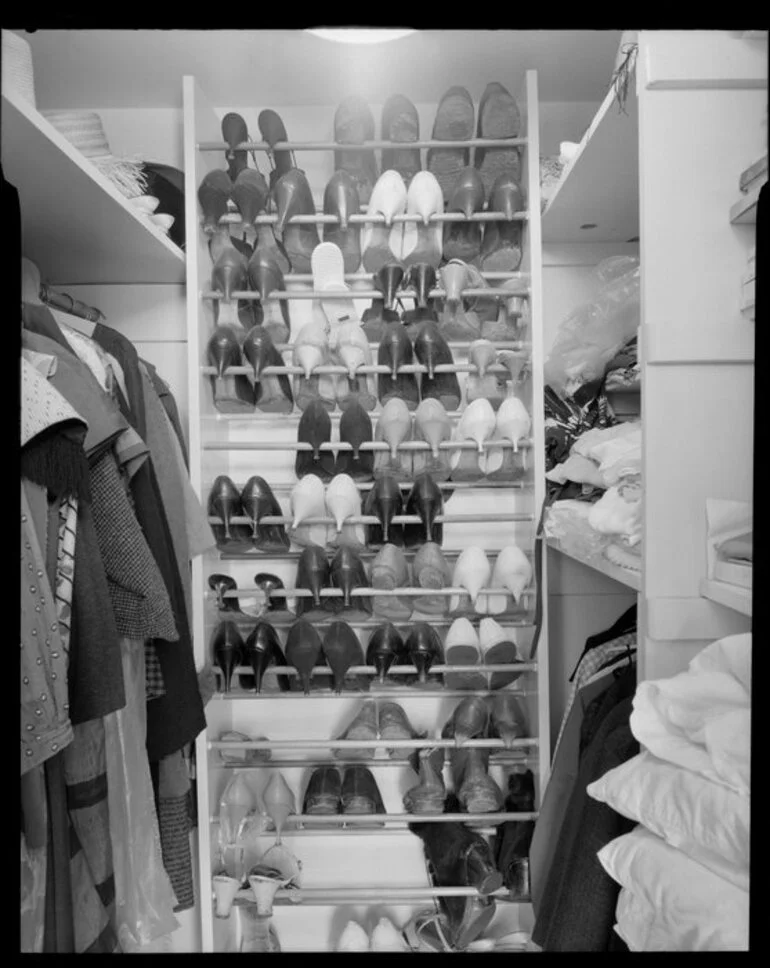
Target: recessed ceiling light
pixel 360 35
pixel 588 225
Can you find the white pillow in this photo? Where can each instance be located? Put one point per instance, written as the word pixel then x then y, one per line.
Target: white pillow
pixel 695 910
pixel 636 924
pixel 707 821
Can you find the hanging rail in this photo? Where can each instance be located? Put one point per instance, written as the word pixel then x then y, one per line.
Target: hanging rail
pixel 453 345
pixel 261 416
pixel 364 146
pixel 371 445
pixel 497 758
pixel 398 670
pixel 352 294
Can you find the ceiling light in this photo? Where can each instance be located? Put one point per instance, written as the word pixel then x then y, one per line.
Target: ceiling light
pixel 360 35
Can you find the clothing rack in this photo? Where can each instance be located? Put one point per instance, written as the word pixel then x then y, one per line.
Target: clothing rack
pixel 65 302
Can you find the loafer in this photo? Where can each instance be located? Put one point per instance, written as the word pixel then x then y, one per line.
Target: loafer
pixel 501 250
pixel 272 129
pixel 360 793
pixel 353 125
pixel 499 117
pixel 234 132
pixel 429 794
pixel 390 571
pixel 363 727
pixel 323 792
pixel 454 122
pixel 431 571
pixel 400 123
pixel 394 724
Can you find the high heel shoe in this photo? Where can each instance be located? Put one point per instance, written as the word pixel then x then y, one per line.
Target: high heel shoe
pixel 462 240
pixel 279 803
pixel 364 727
pixel 498 648
pixel 461 647
pixel 381 241
pixel 262 649
pixel 353 125
pixel 472 572
pixel 342 650
pixel 258 500
pixel 432 350
pixel 277 608
pixel 272 129
pixel 352 346
pixel 343 501
pixel 310 350
pixel 426 501
pixel 235 132
pixel 315 428
pixel 265 276
pixel 422 240
pixel 390 571
pixel 341 199
pixel 429 794
pixel 432 424
pixel 384 501
pixel 250 193
pixel 424 648
pixel 491 386
pixel 458 318
pixel 313 573
pixel 231 393
pixel 355 429
pixel 501 250
pixel 221 584
pixel 387 280
pixel 478 792
pixel 224 502
pixel 514 837
pixel 507 719
pixel 422 278
pixel 394 724
pixel 303 651
pixel 477 423
pixel 431 571
pixel 293 196
pixel 227 647
pixel 214 193
pixel 512 572
pixel 308 500
pixel 396 350
pixel 348 573
pixel 394 427
pixel 273 393
pixel 385 647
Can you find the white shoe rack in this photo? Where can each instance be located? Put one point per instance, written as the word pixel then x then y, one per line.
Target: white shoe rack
pixel 350 870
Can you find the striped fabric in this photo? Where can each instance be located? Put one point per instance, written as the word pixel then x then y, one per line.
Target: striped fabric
pixel 65 567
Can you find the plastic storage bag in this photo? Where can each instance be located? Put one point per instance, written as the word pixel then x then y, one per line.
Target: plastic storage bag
pixel 588 339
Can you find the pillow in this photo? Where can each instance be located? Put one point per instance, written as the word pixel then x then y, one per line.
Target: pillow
pixel 636 924
pixel 706 821
pixel 695 910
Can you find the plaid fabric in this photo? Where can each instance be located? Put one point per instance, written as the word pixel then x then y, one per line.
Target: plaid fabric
pixel 154 685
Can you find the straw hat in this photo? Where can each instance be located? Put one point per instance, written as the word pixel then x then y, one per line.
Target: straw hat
pixel 18 77
pixel 85 131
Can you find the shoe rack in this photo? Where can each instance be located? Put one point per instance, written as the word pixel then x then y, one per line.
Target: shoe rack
pixel 348 867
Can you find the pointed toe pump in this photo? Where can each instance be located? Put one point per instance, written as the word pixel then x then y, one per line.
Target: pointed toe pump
pixel 235 132
pixel 228 648
pixel 232 393
pixel 354 125
pixel 272 129
pixel 343 501
pixel 400 123
pixel 381 240
pixel 462 240
pixel 384 501
pixel 432 350
pixel 476 424
pixel 266 277
pixel 386 280
pixel 313 574
pixel 279 803
pixel 513 573
pixel 258 501
pixel 303 651
pixel 432 424
pixel 501 250
pixel 355 429
pixel 293 196
pixel 472 572
pixel 470 720
pixel 431 572
pixel 224 502
pixel 429 794
pixel 390 571
pixel 425 649
pixel 315 428
pixel 214 193
pixel 221 584
pixel 507 718
pixel 513 424
pixel 262 649
pixel 394 427
pixel 458 320
pixel 348 573
pixel 498 118
pixel 461 647
pixel 491 386
pixel 309 351
pixel 422 237
pixel 362 727
pixel 250 196
pixel 342 650
pixel 277 607
pixel 453 122
pixel 498 647
pixel 307 501
pixel 351 345
pixel 426 501
pixel 273 392
pixel 422 278
pixel 341 199
pixel 385 647
pixel 395 350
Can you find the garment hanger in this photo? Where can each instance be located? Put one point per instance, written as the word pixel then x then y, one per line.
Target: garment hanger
pixel 74 309
pixel 623 626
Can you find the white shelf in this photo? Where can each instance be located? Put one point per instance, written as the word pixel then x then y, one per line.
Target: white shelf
pixel 622 575
pixel 744 211
pixel 600 185
pixel 76 226
pixel 731 596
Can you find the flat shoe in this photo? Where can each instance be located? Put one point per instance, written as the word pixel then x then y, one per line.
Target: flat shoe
pixel 498 118
pixel 454 122
pixel 353 125
pixel 323 792
pixel 431 571
pixel 400 122
pixel 363 726
pixel 501 250
pixel 390 571
pixel 272 129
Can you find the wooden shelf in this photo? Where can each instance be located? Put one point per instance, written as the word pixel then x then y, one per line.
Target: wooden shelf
pixel 76 226
pixel 731 596
pixel 744 211
pixel 600 185
pixel 622 575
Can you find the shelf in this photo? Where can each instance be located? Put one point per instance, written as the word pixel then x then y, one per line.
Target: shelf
pixel 744 211
pixel 600 185
pixel 520 757
pixel 731 596
pixel 77 227
pixel 622 575
pixel 367 592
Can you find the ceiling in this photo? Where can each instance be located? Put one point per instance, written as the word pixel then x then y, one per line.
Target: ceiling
pixel 144 68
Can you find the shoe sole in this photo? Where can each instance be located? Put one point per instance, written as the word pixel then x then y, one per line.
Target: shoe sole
pixel 454 122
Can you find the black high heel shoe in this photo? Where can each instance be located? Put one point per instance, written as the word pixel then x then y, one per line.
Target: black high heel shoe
pixel 348 573
pixel 384 501
pixel 221 584
pixel 225 502
pixel 396 350
pixel 424 647
pixel 355 429
pixel 262 649
pixel 232 393
pixel 257 501
pixel 277 608
pixel 422 278
pixel 303 651
pixel 341 199
pixel 293 196
pixel 432 350
pixel 250 193
pixel 214 193
pixel 228 650
pixel 313 573
pixel 234 132
pixel 425 499
pixel 387 280
pixel 385 647
pixel 342 650
pixel 265 276
pixel 272 392
pixel 315 428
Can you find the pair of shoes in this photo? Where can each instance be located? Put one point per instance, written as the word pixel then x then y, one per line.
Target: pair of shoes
pixel 387 647
pixel 315 428
pixel 340 500
pixel 511 574
pixel 339 650
pixel 255 501
pixel 490 644
pixel 377 720
pixel 495 246
pixel 384 937
pixel 429 570
pixel 396 427
pixel 273 608
pixel 479 423
pixel 431 350
pixel 261 649
pixel 354 793
pixel 385 500
pixel 390 279
pixel 403 242
pixel 345 571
